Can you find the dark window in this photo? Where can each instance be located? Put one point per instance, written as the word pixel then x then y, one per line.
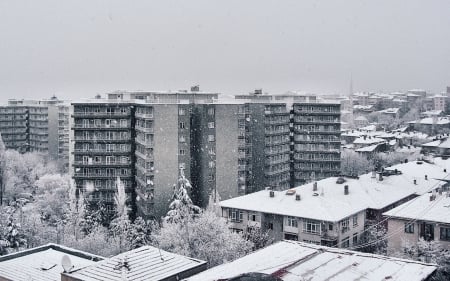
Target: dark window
pixel 445 233
pixel 409 228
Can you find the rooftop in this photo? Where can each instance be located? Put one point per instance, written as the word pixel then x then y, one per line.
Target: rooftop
pixel 292 261
pixel 368 140
pixel 329 203
pixel 144 263
pixel 432 120
pixel 42 263
pixel 423 208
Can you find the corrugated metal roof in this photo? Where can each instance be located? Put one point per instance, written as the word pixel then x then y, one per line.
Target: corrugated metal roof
pixel 144 263
pixel 292 261
pixel 42 263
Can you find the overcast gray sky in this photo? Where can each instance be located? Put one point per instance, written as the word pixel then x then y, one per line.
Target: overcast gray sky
pixel 79 48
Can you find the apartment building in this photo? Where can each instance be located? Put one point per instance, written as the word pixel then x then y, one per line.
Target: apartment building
pixel 225 148
pixel 334 211
pixel 34 125
pixel 426 217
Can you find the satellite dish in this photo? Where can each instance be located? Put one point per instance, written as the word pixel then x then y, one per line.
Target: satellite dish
pixel 66 263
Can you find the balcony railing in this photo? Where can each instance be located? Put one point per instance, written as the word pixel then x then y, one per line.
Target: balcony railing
pixel 144 129
pixel 103 139
pixel 102 163
pixel 144 115
pixel 146 156
pixel 102 126
pixel 101 114
pixel 85 151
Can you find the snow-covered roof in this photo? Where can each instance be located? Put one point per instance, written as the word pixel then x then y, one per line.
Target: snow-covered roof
pixel 432 120
pixel 362 107
pixel 144 263
pixel 42 263
pixel 368 140
pixel 369 128
pixel 329 203
pixel 370 148
pixel 293 261
pixel 432 112
pixel 393 110
pixel 423 208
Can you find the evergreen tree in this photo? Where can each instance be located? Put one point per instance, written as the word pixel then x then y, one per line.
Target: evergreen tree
pixel 181 206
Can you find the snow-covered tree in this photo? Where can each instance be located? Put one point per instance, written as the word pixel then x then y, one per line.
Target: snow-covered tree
pixel 374 240
pixel 11 233
pixel 120 225
pixel 206 236
pixel 258 237
pixel 139 233
pixel 181 205
pixel 54 191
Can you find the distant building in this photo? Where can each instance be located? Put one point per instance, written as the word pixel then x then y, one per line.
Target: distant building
pixel 431 125
pixel 144 263
pixel 37 125
pixel 289 260
pixel 426 217
pixel 43 263
pixel 333 211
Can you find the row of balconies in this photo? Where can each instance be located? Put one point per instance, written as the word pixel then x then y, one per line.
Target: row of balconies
pixel 101 127
pixel 101 151
pixel 276 151
pixel 100 175
pixel 102 163
pixel 101 114
pixel 102 139
pixel 317 150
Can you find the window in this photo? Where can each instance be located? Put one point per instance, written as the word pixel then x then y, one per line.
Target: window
pixel 311 226
pixel 270 225
pixel 355 239
pixel 211 138
pixel 252 217
pixel 330 227
pixel 211 164
pixel 212 151
pixel 355 220
pixel 182 111
pixel 182 125
pixel 445 233
pixel 291 222
pixel 211 111
pixel 211 125
pixel 182 165
pixel 182 138
pixel 345 225
pixel 235 215
pixel 182 152
pixel 409 228
pixel 345 242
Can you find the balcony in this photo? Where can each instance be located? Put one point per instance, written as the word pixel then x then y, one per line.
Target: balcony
pixel 101 127
pixel 316 160
pixel 242 167
pixel 145 171
pixel 101 164
pixel 144 129
pixel 100 114
pixel 273 152
pixel 144 115
pixel 102 151
pixel 144 142
pixel 146 156
pixel 276 172
pixel 104 139
pixel 99 176
pixel 329 236
pixel 304 131
pixel 143 183
pixel 277 122
pixel 254 224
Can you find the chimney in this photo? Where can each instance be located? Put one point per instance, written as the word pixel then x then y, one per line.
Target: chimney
pixel 426 177
pixel 298 197
pixel 445 170
pixel 315 186
pixel 272 193
pixel 415 181
pixel 346 189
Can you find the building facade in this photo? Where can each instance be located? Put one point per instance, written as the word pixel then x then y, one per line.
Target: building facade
pixel 35 126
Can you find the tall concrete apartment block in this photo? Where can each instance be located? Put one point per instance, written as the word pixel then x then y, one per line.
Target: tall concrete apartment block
pixel 224 147
pixel 36 126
